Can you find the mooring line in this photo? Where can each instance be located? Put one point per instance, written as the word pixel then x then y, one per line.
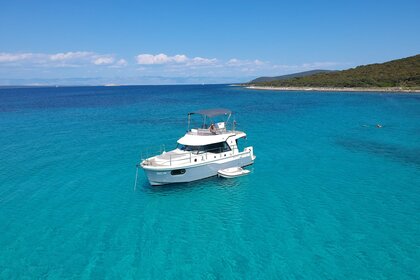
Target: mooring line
pixel 135 182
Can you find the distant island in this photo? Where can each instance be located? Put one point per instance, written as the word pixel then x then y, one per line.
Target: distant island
pixel 396 75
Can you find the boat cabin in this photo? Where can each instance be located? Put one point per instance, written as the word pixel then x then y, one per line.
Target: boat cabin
pixel 212 137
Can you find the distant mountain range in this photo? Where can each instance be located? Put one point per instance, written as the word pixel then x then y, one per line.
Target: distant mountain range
pixel 403 73
pixel 289 76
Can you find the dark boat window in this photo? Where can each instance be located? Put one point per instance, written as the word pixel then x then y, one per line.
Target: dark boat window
pixel 188 148
pixel 217 148
pixel 211 148
pixel 178 172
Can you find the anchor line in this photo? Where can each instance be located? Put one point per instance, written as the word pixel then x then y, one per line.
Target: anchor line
pixel 135 182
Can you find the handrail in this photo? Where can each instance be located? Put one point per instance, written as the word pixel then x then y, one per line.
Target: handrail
pixel 206 131
pixel 150 151
pixel 234 149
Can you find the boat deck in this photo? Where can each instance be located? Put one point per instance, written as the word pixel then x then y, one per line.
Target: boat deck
pixel 169 158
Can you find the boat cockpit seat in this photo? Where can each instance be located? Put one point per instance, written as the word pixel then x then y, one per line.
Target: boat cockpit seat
pixel 220 125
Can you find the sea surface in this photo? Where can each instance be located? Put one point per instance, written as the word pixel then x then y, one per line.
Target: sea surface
pixel 330 195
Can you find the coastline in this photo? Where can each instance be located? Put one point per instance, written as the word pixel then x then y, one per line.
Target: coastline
pixel 355 89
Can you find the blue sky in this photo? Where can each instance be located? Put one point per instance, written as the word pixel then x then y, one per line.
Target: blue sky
pixel 167 42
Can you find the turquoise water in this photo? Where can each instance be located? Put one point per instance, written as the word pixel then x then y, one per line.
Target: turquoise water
pixel 330 195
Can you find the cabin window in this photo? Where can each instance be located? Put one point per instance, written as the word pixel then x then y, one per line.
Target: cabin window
pixel 178 172
pixel 187 148
pixel 215 148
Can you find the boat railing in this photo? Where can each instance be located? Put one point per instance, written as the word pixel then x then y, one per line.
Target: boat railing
pixel 153 150
pixel 150 151
pixel 194 156
pixel 206 131
pixel 214 129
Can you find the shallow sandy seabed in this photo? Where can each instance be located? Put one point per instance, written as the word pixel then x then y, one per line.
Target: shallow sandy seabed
pixel 390 90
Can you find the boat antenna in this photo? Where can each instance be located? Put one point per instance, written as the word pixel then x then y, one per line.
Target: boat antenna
pixel 189 120
pixel 227 120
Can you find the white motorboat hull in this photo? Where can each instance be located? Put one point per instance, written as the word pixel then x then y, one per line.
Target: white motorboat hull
pixel 233 172
pixel 196 172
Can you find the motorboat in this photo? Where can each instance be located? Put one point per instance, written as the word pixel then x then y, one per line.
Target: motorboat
pixel 232 172
pixel 204 150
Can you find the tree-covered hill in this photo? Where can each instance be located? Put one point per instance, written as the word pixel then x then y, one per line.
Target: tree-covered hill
pixel 289 76
pixel 403 73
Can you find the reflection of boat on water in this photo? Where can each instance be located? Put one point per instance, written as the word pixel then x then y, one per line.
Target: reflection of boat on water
pixel 201 152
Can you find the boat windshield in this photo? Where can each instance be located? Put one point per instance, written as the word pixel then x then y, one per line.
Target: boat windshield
pixel 211 148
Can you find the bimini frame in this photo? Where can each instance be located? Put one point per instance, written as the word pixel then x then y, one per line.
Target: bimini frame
pixel 210 113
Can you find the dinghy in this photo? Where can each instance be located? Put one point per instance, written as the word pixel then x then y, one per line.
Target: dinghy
pixel 232 172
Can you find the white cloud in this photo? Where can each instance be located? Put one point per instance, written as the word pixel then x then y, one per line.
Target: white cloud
pixel 233 61
pixel 239 62
pixel 121 62
pixel 12 57
pixel 63 59
pixel 150 59
pixel 202 61
pixel 103 60
pixel 182 65
pixel 180 58
pixel 70 56
pixel 179 65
